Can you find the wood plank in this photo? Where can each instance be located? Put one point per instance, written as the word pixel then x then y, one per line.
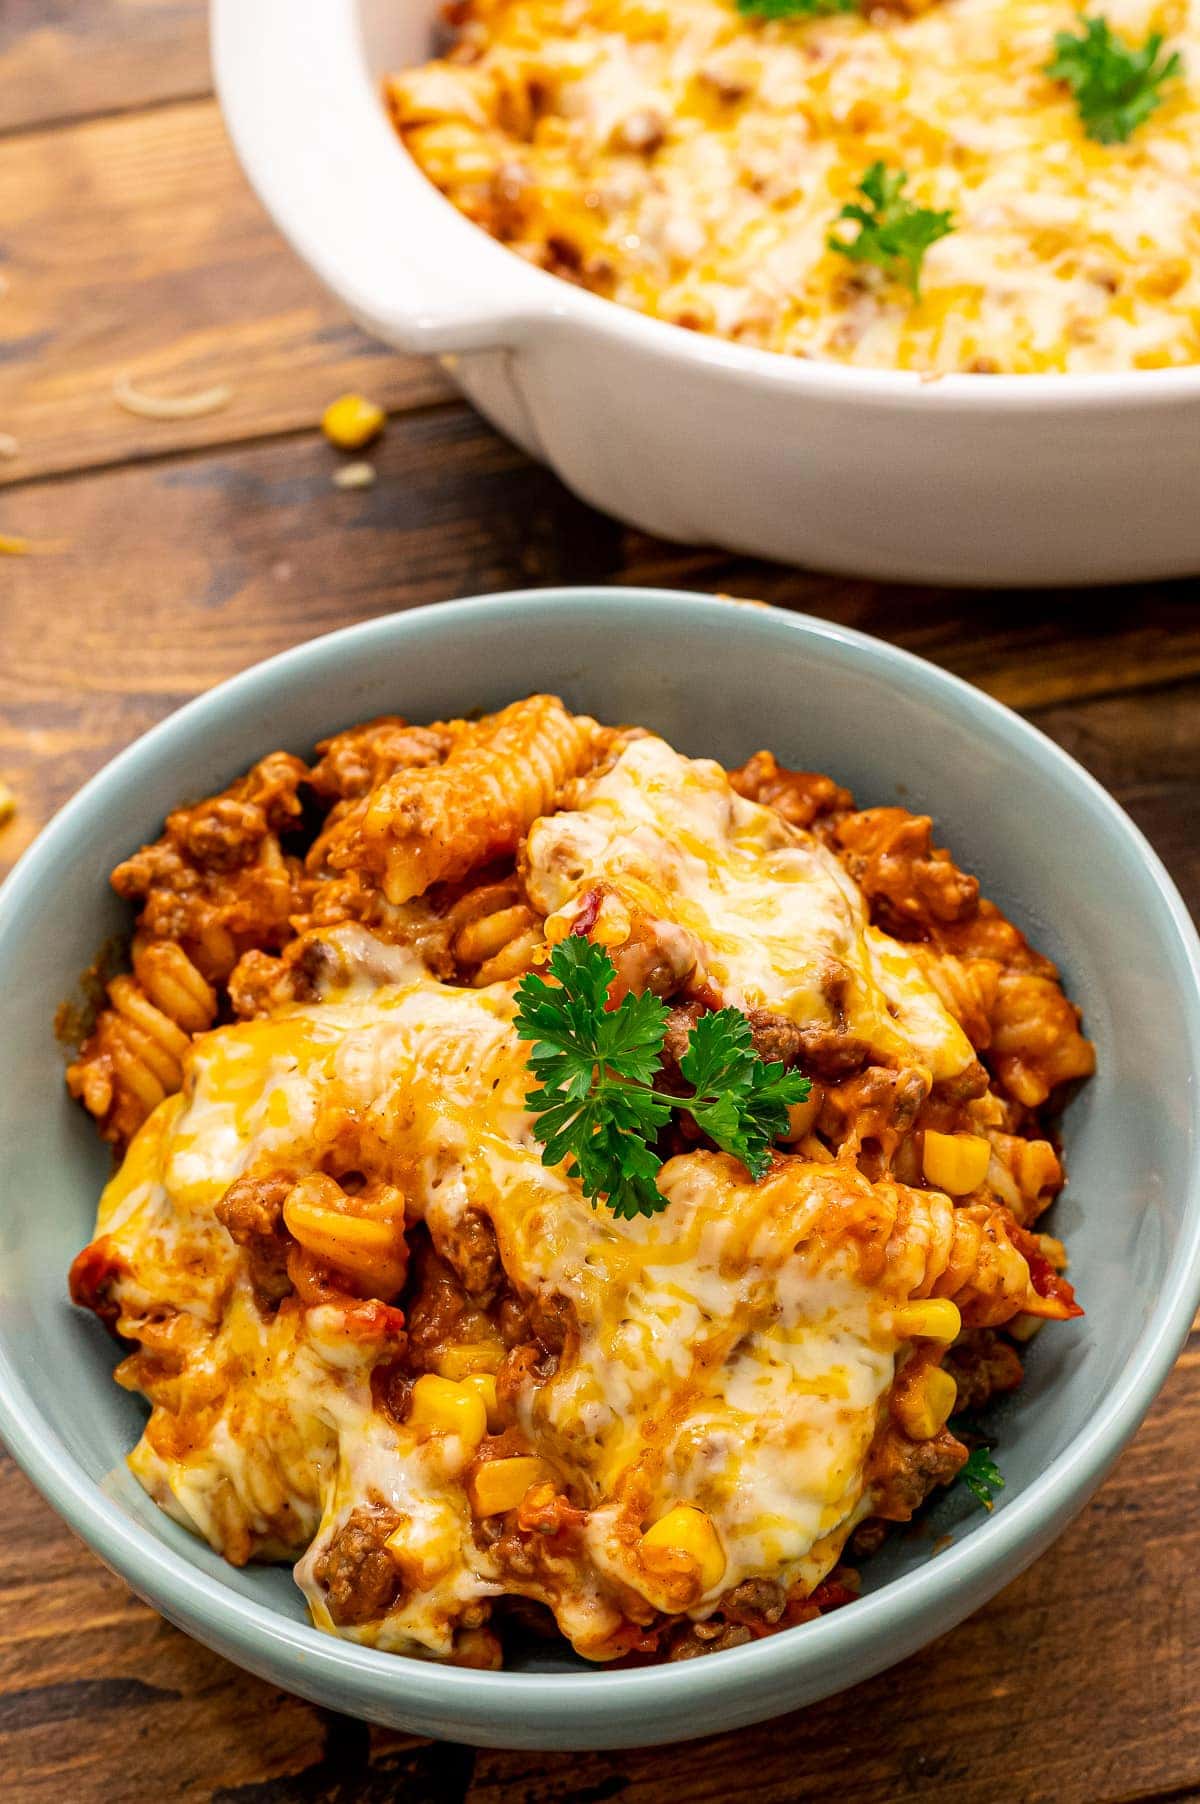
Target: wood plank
pixel 133 245
pixel 1028 648
pixel 1145 748
pixel 60 59
pixel 96 1692
pixel 224 560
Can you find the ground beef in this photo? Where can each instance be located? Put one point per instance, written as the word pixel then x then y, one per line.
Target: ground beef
pixel 358 1573
pixel 552 1320
pixel 880 1105
pixel 759 1599
pixel 902 1473
pixel 826 1052
pixel 981 1364
pixel 251 1211
pixel 800 796
pixel 358 760
pixel 910 884
pixel 523 1366
pixel 440 1314
pixel 468 1245
pixel 708 1638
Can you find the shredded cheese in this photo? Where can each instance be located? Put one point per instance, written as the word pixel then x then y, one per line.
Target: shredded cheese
pixel 690 162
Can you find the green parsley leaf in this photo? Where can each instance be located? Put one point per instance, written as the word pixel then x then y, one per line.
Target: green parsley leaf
pixel 980 1473
pixel 794 9
pixel 741 1103
pixel 982 1476
pixel 891 231
pixel 1116 86
pixel 594 1066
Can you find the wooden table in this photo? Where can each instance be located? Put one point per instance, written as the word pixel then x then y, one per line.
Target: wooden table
pixel 168 555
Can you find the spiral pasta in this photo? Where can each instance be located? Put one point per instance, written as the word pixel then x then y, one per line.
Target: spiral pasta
pixel 427 826
pixel 360 1235
pixel 134 1056
pixel 1026 1175
pixel 494 933
pixel 975 1256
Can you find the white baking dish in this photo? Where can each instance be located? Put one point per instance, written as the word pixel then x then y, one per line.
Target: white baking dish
pixel 966 479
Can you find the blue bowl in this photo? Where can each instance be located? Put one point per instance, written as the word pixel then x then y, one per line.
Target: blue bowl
pixel 718 678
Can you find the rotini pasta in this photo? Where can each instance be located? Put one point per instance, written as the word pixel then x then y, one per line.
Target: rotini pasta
pixel 380 1336
pixel 134 1056
pixel 494 933
pixel 419 828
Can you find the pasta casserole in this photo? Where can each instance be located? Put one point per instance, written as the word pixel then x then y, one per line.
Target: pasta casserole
pixel 980 186
pixel 566 1186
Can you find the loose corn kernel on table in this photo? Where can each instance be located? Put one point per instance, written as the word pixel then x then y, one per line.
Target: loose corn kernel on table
pixel 166 555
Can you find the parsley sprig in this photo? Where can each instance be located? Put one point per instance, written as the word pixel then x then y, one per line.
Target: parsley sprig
pixel 596 1102
pixel 980 1473
pixel 1116 85
pixel 982 1476
pixel 891 231
pixel 795 9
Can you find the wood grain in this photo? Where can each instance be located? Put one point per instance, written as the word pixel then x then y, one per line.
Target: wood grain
pixel 133 245
pixel 225 559
pixel 60 59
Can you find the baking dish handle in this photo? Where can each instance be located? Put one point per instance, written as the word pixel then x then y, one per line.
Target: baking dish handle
pixel 303 109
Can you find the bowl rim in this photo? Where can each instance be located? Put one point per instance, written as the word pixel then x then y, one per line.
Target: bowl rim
pixel 264 54
pixel 993 1551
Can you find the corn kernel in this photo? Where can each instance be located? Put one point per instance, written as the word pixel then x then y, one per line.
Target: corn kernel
pixel 936 1319
pixel 612 926
pixel 924 1409
pixel 473 1356
pixel 557 928
pixel 442 1407
pixel 688 1530
pixel 500 1484
pixel 1022 1328
pixel 422 1558
pixel 352 421
pixel 484 1385
pixel 956 1163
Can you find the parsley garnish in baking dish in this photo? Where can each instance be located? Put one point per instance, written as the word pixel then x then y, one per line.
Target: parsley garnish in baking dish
pixel 1116 86
pixel 891 231
pixel 794 9
pixel 595 1066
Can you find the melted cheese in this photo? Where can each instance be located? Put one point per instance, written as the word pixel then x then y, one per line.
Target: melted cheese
pixel 770 917
pixel 728 1353
pixel 691 163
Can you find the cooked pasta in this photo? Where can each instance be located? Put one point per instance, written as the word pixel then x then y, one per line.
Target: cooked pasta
pixel 692 158
pixel 422 827
pixel 134 1056
pixel 383 1338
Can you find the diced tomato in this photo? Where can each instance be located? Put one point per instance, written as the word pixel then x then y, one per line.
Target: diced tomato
pixel 1045 1280
pixel 588 913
